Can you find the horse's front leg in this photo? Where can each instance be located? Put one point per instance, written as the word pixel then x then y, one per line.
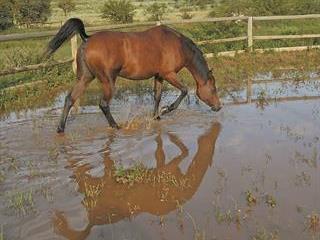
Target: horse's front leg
pixel 107 87
pixel 172 78
pixel 157 96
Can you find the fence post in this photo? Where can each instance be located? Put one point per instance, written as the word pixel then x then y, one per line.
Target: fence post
pixel 249 90
pixel 250 33
pixel 74 48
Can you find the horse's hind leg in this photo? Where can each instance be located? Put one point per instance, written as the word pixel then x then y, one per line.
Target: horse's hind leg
pixel 157 96
pixel 108 89
pixel 84 78
pixel 172 78
pixel 70 99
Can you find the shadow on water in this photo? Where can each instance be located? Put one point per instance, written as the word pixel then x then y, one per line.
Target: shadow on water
pixel 158 191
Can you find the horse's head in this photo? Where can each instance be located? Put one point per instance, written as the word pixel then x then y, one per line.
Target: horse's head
pixel 207 92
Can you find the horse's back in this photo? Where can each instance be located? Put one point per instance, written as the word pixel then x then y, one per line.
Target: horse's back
pixel 137 54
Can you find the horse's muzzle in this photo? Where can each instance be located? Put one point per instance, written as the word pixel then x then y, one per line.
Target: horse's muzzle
pixel 216 109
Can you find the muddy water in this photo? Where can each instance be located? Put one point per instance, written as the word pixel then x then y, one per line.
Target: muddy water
pixel 244 173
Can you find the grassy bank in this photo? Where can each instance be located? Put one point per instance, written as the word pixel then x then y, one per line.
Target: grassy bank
pixel 231 74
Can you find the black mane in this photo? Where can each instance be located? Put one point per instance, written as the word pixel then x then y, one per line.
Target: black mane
pixel 196 55
pixel 197 59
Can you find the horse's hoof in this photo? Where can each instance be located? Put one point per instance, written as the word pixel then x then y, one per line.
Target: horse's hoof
pixel 60 130
pixel 164 110
pixel 115 126
pixel 157 118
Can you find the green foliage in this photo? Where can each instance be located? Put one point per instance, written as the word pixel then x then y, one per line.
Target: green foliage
pixel 54 81
pixel 200 3
pixel 264 7
pixel 22 202
pixel 6 16
pixel 31 11
pixel 66 6
pixel 156 11
pixel 121 11
pixel 207 31
pixel 285 7
pixel 24 12
pixel 185 13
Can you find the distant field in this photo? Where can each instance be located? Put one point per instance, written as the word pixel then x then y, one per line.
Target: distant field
pixel 90 11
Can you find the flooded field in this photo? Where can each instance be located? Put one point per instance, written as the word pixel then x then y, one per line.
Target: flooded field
pixel 247 172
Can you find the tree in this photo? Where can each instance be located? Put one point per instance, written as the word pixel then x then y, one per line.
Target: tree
pixel 118 11
pixel 6 16
pixel 156 11
pixel 66 6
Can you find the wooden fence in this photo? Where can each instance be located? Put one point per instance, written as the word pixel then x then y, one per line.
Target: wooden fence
pixel 249 37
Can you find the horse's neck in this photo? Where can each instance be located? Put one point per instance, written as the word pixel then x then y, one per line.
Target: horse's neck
pixel 199 70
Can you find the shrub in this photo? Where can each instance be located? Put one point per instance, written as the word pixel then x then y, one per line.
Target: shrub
pixel 121 11
pixel 6 16
pixel 31 11
pixel 156 11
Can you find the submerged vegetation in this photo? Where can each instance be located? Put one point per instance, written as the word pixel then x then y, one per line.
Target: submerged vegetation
pixel 138 174
pixel 313 223
pixel 263 234
pixel 22 202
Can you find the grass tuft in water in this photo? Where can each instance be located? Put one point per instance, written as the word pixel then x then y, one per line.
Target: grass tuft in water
pixel 262 234
pixel 2 177
pixel 22 202
pixel 270 201
pixel 313 223
pixel 138 174
pixel 1 233
pixel 91 194
pixel 251 199
pixel 130 176
pixel 262 100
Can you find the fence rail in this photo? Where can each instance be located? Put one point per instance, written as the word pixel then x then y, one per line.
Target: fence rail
pixel 34 67
pixel 250 37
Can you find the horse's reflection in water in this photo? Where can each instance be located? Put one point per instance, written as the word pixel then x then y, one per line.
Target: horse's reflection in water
pixel 108 201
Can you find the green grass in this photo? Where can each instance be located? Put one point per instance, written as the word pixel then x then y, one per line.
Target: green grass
pixel 90 11
pixel 231 74
pixel 1 233
pixel 22 202
pixel 263 234
pixel 27 52
pixel 54 81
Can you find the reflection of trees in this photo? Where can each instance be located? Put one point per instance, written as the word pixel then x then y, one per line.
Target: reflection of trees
pixel 157 191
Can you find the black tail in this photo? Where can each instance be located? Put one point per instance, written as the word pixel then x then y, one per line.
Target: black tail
pixel 68 30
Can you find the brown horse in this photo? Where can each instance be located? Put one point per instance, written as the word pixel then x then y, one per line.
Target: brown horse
pixel 159 52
